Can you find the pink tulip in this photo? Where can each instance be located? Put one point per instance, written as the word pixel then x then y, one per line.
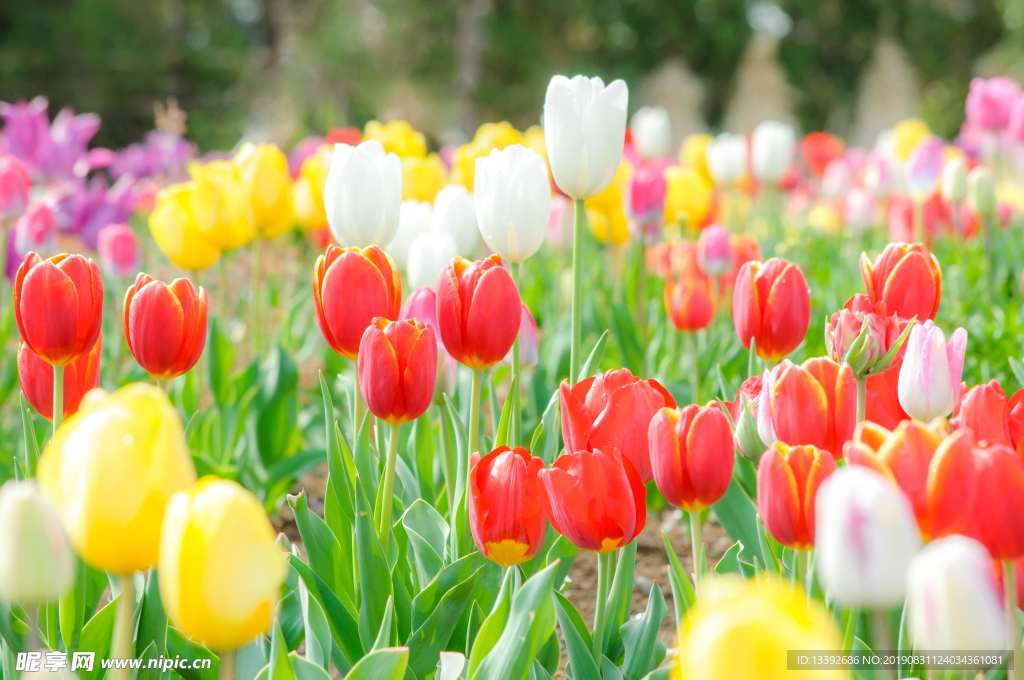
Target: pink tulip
pixel 15 185
pixel 988 102
pixel 859 210
pixel 929 383
pixel 560 224
pixel 422 305
pixel 36 230
pixel 714 250
pixel 119 250
pixel 528 349
pixel 1015 129
pixel 923 168
pixel 645 200
pixel 837 178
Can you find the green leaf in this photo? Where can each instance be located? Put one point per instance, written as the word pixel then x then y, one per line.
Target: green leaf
pixel 730 563
pixel 752 359
pixel 339 476
pixel 221 355
pixel 305 669
pixel 322 547
pixel 578 641
pixel 641 635
pixel 383 640
pixel 501 438
pixel 28 431
pixel 620 597
pixel 72 608
pixel 317 630
pixel 279 667
pixel 381 664
pixel 664 673
pixel 889 356
pixel 278 405
pixel 724 388
pixel 683 594
pixel 460 536
pixel 428 599
pixel 427 641
pixel 626 333
pixel 552 422
pixel 179 645
pixel 595 356
pixel 374 574
pixel 738 516
pixel 342 622
pixel 1018 370
pixel 563 552
pixel 770 548
pixel 96 636
pixel 492 626
pixel 152 620
pixel 428 536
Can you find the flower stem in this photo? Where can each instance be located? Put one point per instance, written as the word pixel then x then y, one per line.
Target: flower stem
pixel 384 527
pixel 475 399
pixel 697 543
pixel 577 289
pixel 121 644
pixel 988 223
pixel 58 398
pixel 517 415
pixel 691 346
pixel 1012 626
pixel 227 665
pixel 862 398
pixel 446 463
pixel 641 292
pixel 254 297
pixel 604 562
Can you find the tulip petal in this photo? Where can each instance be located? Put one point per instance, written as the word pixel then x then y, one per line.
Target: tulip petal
pixel 353 293
pixel 49 312
pixel 909 289
pixel 493 319
pixel 950 486
pixel 379 374
pixel 746 307
pixel 577 423
pixel 156 323
pixel 799 408
pixel 778 498
pixel 709 456
pixel 787 314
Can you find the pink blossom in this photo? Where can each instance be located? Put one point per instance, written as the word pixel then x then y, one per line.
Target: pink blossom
pixel 15 185
pixel 119 250
pixel 988 102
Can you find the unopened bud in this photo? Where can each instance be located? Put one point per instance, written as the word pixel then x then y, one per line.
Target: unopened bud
pixel 746 438
pixel 954 180
pixel 981 191
pixel 36 562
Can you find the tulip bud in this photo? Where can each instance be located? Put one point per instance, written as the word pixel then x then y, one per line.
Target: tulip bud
pixel 397 368
pixel 771 303
pixel 772 147
pixel 363 194
pixel 584 129
pixel 714 250
pixel 165 326
pixel 15 185
pixel 746 438
pixel 221 204
pixel 691 455
pixel 954 180
pixel 907 278
pixel 865 536
pixel 455 214
pixel 981 191
pixel 953 598
pixel 513 202
pixel 651 131
pixel 413 221
pixel 923 169
pixel 689 302
pixel 788 478
pixel 213 534
pixel 860 334
pixel 929 382
pixel 263 170
pixel 505 512
pixel 989 101
pixel 36 379
pixel 174 229
pixel 727 160
pixel 119 250
pixel 36 562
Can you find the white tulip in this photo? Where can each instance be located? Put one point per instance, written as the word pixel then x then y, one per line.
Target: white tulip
pixel 865 536
pixel 954 180
pixel 929 380
pixel 413 220
pixel 584 130
pixel 455 214
pixel 727 159
pixel 362 195
pixel 773 145
pixel 652 132
pixel 952 597
pixel 513 201
pixel 859 210
pixel 428 255
pixel 36 562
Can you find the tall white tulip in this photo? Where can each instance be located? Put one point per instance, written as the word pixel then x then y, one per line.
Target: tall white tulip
pixel 929 381
pixel 954 180
pixel 652 132
pixel 362 195
pixel 584 130
pixel 414 218
pixel 455 214
pixel 513 201
pixel 952 597
pixel 36 562
pixel 727 159
pixel 865 537
pixel 428 254
pixel 773 146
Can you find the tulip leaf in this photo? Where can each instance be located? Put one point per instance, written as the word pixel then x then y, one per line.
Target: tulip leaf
pixel 683 593
pixel 724 389
pixel 374 574
pixel 428 536
pixel 537 437
pixel 1018 369
pixel 423 450
pixel 626 333
pixel 737 514
pixel 96 636
pixel 577 640
pixel 341 619
pixel 430 596
pixel 595 357
pixel 563 552
pixel 28 430
pixel 610 670
pixel 179 645
pixel 221 358
pixel 640 638
pixel 538 672
pixel 770 548
pixel 12 640
pixel 488 583
pixel 620 597
pixel 365 462
pixel 384 634
pixel 492 627
pixel 71 614
pixel 889 356
pixel 322 547
pixel 476 619
pixel 462 541
pixel 492 405
pixel 752 359
pixel 278 405
pixel 317 630
pixel 305 669
pixel 552 422
pixel 278 666
pixel 729 562
pixel 152 620
pixel 339 476
pixel 426 642
pixel 381 664
pixel 501 438
pixel 663 673
pixel 531 620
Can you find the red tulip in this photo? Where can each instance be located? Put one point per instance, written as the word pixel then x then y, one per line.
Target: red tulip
pixel 36 377
pixel 397 368
pixel 692 455
pixel 744 249
pixel 689 302
pixel 478 311
pixel 883 401
pixel 58 304
pixel 595 499
pixel 991 416
pixel 613 410
pixel 505 512
pixel 814 403
pixel 819 149
pixel 751 388
pixel 845 326
pixel 788 478
pixel 352 287
pixel 165 326
pixel 907 278
pixel 771 304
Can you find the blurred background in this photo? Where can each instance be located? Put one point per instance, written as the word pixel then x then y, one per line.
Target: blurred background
pixel 277 70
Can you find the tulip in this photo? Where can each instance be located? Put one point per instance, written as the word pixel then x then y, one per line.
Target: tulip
pixel 213 534
pixel 953 597
pixel 990 416
pixel 165 326
pixel 263 170
pixel 36 562
pixel 397 365
pixel 859 210
pixel 111 469
pixel 746 438
pixel 819 149
pixel 714 250
pixel 413 220
pixel 584 128
pixel 741 629
pixel 954 180
pixel 691 455
pixel 119 250
pixel 727 160
pixel 36 379
pixel 989 101
pixel 174 229
pixel 488 136
pixel 836 180
pixel 923 169
pixel 422 305
pixel 397 137
pixel 423 178
pixel 772 147
pixel 428 255
pixel 528 347
pixel 645 202
pixel 771 305
pixel 651 131
pixel 363 194
pixel 308 189
pixel 929 381
pixel 513 202
pixel 351 287
pixel 788 478
pixel 865 537
pixel 907 278
pixel 613 410
pixel 15 185
pixel 455 214
pixel 879 177
pixel 860 334
pixel 689 302
pixel 221 204
pixel 688 196
pixel 35 231
pixel 981 191
pixel 505 511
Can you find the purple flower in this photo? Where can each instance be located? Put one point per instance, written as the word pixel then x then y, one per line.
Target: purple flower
pixel 163 155
pixel 27 130
pixel 68 142
pixel 85 209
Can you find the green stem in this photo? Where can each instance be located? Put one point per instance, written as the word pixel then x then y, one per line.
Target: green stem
pixel 58 398
pixel 1012 625
pixel 862 398
pixel 475 399
pixel 161 384
pixel 384 526
pixel 989 224
pixel 227 663
pixel 254 297
pixel 880 633
pixel 695 540
pixel 517 422
pixel 800 573
pixel 222 293
pixel 121 643
pixel 603 578
pixel 577 289
pixel 691 347
pixel 446 464
pixel 641 291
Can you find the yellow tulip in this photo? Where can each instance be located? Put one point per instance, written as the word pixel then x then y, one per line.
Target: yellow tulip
pixel 488 136
pixel 423 178
pixel 175 232
pixel 308 189
pixel 742 629
pixel 906 134
pixel 397 137
pixel 693 154
pixel 221 204
pixel 263 170
pixel 614 228
pixel 110 470
pixel 688 196
pixel 825 217
pixel 220 573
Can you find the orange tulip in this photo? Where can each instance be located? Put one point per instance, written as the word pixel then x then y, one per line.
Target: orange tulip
pixel 505 512
pixel 883 400
pixel 397 368
pixel 351 287
pixel 991 416
pixel 165 326
pixel 788 478
pixel 771 304
pixel 907 278
pixel 58 304
pixel 36 378
pixel 692 455
pixel 819 149
pixel 689 302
